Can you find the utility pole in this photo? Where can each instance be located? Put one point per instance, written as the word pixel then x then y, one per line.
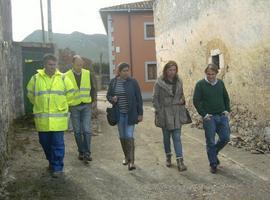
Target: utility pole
pixel 42 22
pixel 50 22
pixel 100 64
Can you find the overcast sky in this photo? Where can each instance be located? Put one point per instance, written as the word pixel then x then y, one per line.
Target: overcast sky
pixel 67 16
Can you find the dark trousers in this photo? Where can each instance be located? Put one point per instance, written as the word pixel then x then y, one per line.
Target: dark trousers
pixel 53 146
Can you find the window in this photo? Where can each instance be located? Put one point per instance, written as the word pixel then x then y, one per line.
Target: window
pixel 149 31
pixel 150 71
pixel 217 58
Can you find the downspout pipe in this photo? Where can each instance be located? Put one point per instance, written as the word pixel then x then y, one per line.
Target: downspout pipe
pixel 130 43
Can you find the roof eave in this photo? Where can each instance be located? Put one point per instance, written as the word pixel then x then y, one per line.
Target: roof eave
pixel 126 10
pixel 104 13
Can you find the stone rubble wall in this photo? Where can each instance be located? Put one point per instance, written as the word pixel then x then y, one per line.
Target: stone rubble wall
pixel 192 31
pixel 11 99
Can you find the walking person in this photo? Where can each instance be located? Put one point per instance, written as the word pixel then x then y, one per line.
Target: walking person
pixel 50 92
pixel 212 102
pixel 124 92
pixel 168 96
pixel 80 108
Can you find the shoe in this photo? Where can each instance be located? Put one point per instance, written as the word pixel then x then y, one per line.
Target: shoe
pixel 180 164
pixel 86 158
pixel 169 160
pixel 213 169
pixel 80 156
pixel 57 174
pixel 125 162
pixel 131 166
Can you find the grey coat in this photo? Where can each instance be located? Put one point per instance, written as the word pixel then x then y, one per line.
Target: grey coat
pixel 166 105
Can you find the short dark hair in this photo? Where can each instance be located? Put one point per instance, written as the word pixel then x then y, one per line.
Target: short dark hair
pixel 121 66
pixel 47 57
pixel 212 67
pixel 167 66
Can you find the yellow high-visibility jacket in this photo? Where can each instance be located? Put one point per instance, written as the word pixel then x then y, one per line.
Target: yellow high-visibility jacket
pixel 50 97
pixel 82 94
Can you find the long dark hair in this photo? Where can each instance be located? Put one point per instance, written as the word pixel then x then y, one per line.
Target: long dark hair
pixel 167 66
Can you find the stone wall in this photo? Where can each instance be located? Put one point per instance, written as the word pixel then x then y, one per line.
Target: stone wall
pixel 237 32
pixel 11 99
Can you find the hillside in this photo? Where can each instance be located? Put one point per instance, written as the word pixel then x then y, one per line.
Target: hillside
pixel 89 46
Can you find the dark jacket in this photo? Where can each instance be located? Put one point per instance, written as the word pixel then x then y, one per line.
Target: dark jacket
pixel 134 97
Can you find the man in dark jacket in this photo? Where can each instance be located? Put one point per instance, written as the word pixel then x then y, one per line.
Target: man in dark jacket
pixel 212 102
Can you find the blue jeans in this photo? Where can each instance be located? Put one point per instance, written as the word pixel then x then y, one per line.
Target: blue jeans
pixel 125 131
pixel 176 136
pixel 216 124
pixel 81 122
pixel 53 146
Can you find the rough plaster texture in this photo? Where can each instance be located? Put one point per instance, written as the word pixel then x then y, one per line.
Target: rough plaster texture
pixel 11 99
pixel 187 32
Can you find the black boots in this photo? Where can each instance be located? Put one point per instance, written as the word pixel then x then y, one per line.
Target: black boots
pixel 180 164
pixel 128 147
pixel 124 148
pixel 131 153
pixel 169 160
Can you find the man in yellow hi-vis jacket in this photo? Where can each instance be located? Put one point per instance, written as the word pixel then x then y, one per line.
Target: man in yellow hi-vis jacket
pixel 50 92
pixel 80 108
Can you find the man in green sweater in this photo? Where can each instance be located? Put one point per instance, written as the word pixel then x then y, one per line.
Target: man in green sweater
pixel 212 102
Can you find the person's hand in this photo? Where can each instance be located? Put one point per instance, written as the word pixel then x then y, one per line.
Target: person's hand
pixel 114 99
pixel 182 101
pixel 207 116
pixel 226 113
pixel 140 118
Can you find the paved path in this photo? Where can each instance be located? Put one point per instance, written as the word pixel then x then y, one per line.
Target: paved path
pixel 241 176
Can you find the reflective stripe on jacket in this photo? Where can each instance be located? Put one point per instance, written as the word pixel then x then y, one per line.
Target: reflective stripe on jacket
pixel 82 94
pixel 50 97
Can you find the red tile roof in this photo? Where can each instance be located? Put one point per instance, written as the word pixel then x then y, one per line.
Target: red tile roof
pixel 142 6
pixel 136 6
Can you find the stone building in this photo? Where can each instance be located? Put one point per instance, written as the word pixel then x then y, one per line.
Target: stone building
pixel 11 99
pixel 232 34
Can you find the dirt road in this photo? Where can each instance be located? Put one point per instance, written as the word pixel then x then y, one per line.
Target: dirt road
pixel 241 176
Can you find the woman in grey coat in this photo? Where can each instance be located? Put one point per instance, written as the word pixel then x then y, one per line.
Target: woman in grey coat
pixel 168 97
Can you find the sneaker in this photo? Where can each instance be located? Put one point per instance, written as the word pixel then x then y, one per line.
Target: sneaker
pixel 125 162
pixel 213 169
pixel 57 174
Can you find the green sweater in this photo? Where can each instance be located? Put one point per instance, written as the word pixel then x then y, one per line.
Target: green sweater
pixel 211 99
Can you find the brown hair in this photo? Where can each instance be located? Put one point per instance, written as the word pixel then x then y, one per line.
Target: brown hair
pixel 167 66
pixel 120 67
pixel 212 67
